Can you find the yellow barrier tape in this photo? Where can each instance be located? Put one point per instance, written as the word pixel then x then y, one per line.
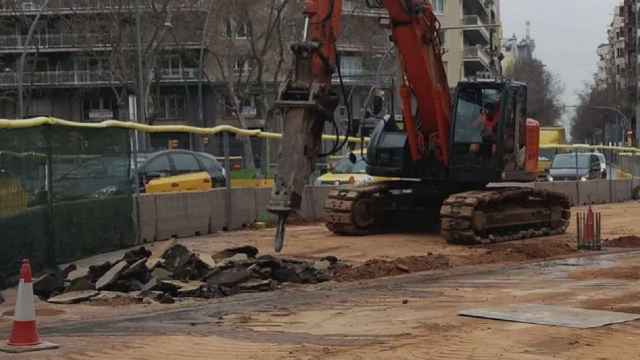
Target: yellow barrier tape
pixel 621 149
pixel 50 121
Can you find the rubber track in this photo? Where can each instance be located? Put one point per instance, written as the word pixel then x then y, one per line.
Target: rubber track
pixel 458 211
pixel 339 206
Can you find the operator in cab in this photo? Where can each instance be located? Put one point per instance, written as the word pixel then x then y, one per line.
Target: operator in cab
pixel 487 123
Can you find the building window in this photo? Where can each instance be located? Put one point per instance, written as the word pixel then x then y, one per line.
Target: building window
pixel 438 6
pixel 236 30
pixel 241 65
pixel 171 107
pixel 171 65
pixel 248 106
pixel 242 30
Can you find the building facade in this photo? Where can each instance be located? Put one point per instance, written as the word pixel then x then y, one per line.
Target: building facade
pixel 174 63
pixel 514 49
pixel 78 60
pixel 469 51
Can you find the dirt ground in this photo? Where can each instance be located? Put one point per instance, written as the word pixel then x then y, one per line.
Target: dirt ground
pixel 410 316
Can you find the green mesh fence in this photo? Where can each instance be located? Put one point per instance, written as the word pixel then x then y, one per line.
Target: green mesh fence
pixel 64 193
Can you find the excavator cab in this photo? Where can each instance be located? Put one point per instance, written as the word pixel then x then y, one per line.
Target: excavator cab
pixel 488 139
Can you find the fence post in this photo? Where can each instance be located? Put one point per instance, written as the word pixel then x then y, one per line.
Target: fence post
pixel 133 143
pixel 227 167
pixel 51 229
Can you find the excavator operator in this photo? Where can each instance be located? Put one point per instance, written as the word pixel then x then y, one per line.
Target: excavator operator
pixel 487 122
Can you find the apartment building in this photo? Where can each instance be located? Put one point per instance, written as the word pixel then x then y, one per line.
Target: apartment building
pixel 616 35
pixel 469 51
pixel 79 61
pixel 514 49
pixel 605 58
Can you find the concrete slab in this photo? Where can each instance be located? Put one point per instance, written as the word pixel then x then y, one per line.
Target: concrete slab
pixel 112 275
pixel 552 315
pixel 157 251
pixel 73 297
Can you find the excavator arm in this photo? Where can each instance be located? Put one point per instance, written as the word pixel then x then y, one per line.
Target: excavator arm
pixel 308 100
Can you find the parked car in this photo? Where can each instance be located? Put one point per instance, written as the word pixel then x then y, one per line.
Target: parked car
pixel 345 172
pixel 576 166
pixel 603 164
pixel 179 162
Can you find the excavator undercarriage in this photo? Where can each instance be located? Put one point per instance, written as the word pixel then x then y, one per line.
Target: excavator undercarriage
pixel 484 216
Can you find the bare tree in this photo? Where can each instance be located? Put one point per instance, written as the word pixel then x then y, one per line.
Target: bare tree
pixel 247 55
pixel 544 89
pixel 22 18
pixel 111 38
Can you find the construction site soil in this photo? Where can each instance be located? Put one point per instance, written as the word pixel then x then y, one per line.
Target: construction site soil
pixel 624 242
pixel 368 316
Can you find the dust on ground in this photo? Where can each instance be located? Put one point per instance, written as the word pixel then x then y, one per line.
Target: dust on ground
pixel 618 273
pixel 630 241
pixel 116 301
pixel 527 250
pixel 381 268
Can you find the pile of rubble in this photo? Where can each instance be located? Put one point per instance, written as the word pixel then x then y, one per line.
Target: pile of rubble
pixel 173 271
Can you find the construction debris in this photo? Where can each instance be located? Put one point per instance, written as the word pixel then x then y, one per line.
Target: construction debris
pixel 74 297
pixel 174 272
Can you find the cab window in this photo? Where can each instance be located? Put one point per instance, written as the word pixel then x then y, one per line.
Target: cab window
pixel 477 112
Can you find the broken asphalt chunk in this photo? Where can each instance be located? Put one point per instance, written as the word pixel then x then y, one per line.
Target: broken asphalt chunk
pixel 249 251
pixel 73 297
pixel 111 276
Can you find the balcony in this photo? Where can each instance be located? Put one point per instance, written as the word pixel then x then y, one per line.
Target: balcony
pixel 478 34
pixel 91 78
pixel 484 7
pixel 66 42
pixel 26 7
pixel 476 59
pixel 360 8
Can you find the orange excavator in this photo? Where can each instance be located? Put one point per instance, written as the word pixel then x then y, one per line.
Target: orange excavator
pixel 454 157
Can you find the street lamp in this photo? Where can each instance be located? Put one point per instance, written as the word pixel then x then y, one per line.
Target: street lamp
pixel 626 123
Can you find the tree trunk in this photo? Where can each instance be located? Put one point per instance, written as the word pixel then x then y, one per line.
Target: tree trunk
pixel 248 158
pixel 23 57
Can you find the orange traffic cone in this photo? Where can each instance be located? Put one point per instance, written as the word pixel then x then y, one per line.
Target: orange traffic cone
pixel 24 335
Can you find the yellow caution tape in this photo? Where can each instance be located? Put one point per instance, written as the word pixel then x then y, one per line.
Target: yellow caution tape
pixel 50 121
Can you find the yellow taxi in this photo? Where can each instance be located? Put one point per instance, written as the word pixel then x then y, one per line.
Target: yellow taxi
pixel 346 172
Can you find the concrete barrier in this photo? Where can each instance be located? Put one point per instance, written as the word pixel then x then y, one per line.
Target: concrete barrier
pixel 198 213
pixel 147 218
pixel 218 204
pixel 313 200
pixel 262 202
pixel 568 188
pixel 171 216
pixel 162 216
pixel 595 192
pixel 622 190
pixel 243 208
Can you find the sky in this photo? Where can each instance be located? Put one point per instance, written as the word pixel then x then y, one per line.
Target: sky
pixel 567 34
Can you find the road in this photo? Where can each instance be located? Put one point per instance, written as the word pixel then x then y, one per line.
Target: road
pixel 412 316
pixel 409 317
